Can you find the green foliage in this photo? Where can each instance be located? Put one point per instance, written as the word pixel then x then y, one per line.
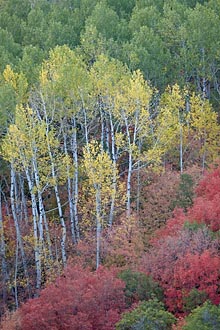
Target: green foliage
pixel 150 315
pixel 194 226
pixel 7 104
pixel 123 8
pixel 206 317
pixel 185 192
pixel 194 299
pixel 9 50
pixel 147 52
pixel 30 62
pixel 139 286
pixel 92 45
pixel 105 20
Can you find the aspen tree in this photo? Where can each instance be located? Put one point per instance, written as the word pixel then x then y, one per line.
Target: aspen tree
pixel 25 147
pixel 18 82
pixel 182 114
pixel 4 266
pixel 100 170
pixel 17 149
pixel 108 76
pixel 172 120
pixel 16 213
pixel 132 104
pixel 57 165
pixel 64 86
pixel 203 122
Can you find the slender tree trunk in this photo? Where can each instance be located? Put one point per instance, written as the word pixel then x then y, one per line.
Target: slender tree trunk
pixel 16 273
pixel 86 127
pixel 128 205
pixel 98 225
pixel 42 222
pixel 23 199
pixel 63 225
pixel 41 211
pixel 37 246
pixel 75 179
pixel 15 211
pixel 102 127
pixel 54 176
pixel 181 149
pixel 70 194
pixel 114 183
pixel 59 206
pixel 131 145
pixel 204 80
pixel 3 256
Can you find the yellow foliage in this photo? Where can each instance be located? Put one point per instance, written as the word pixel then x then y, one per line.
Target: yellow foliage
pixel 204 124
pixel 18 82
pixel 98 167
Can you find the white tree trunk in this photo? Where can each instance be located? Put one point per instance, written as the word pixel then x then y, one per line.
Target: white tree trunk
pixel 70 194
pixel 75 179
pixel 3 255
pixel 98 225
pixel 37 246
pixel 114 183
pixel 15 212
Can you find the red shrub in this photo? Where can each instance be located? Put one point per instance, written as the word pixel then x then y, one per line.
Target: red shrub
pixel 172 228
pixel 194 271
pixel 170 253
pixel 206 208
pixel 80 299
pixel 209 186
pixel 206 211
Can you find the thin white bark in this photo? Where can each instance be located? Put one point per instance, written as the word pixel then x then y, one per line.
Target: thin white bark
pixel 70 194
pixel 23 199
pixel 3 255
pixel 114 181
pixel 98 225
pixel 55 186
pixel 75 178
pixel 37 246
pixel 181 149
pixel 131 143
pixel 15 276
pixel 15 212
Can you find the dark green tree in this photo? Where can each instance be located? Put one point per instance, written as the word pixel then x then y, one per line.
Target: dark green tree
pixel 150 315
pixel 139 286
pixel 206 317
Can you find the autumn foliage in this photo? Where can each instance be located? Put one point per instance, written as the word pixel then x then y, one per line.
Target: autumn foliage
pixel 80 299
pixel 184 257
pixel 206 208
pixel 194 271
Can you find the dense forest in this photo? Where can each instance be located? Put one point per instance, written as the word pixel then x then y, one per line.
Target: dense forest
pixel 110 171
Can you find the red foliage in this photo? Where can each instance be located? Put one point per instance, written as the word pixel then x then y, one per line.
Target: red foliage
pixel 206 208
pixel 170 254
pixel 206 211
pixel 209 186
pixel 194 271
pixel 80 299
pixel 172 228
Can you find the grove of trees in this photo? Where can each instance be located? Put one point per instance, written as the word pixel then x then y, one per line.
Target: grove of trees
pixel 109 181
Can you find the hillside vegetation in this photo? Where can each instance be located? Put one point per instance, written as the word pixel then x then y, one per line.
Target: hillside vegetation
pixel 109 181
